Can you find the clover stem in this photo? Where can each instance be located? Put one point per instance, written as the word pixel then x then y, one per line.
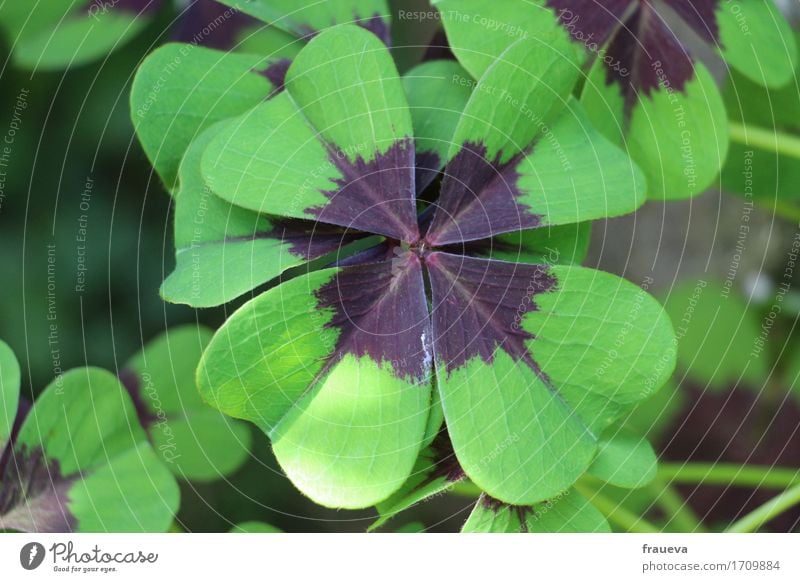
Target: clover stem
pixel 616 513
pixel 728 474
pixel 675 507
pixel 773 141
pixel 776 142
pixel 764 513
pixel 780 208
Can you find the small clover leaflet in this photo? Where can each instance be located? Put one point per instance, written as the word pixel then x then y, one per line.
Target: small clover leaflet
pixel 77 460
pixel 623 461
pixel 184 88
pixel 195 442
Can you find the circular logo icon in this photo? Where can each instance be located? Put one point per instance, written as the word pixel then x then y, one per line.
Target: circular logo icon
pixel 31 555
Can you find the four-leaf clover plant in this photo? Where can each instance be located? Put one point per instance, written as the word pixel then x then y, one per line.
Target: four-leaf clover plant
pixel 426 209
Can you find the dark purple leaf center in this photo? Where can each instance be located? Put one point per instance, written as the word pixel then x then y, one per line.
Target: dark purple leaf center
pixel 419 292
pixel 379 298
pixel 33 493
pixel 637 46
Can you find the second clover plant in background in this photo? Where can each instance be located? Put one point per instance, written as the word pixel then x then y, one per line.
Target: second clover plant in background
pixel 646 88
pixel 196 442
pixel 77 460
pixel 433 302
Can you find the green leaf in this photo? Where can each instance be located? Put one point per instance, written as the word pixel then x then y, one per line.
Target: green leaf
pixel 235 376
pixel 223 251
pixel 411 527
pixel 568 512
pixel 437 92
pixel 196 442
pixel 170 361
pixel 718 333
pixel 576 174
pixel 601 344
pixel 758 173
pixel 652 417
pixel 181 89
pixel 82 420
pixel 489 516
pixel 302 18
pixel 9 391
pixel 133 493
pixel 334 449
pixel 479 31
pixel 216 242
pixel 752 170
pixel 202 445
pixel 518 96
pixel 269 41
pixel 434 474
pixel 302 154
pixel 550 245
pixel 753 104
pixel 346 425
pixel 756 40
pixel 679 139
pixel 261 161
pixel 17 16
pixel 58 34
pixel 347 86
pixel 82 462
pixel 526 150
pixel 624 460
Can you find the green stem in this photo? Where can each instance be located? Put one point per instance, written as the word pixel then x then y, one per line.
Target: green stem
pixel 615 513
pixel 728 474
pixel 675 507
pixel 785 210
pixel 767 139
pixel 772 508
pixel 776 142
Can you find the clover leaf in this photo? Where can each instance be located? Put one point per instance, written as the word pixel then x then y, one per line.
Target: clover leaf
pixel 58 34
pixel 531 362
pixel 9 392
pixel 303 19
pixel 80 461
pixel 182 89
pixel 569 512
pixel 435 472
pixel 645 89
pixel 623 460
pixel 720 335
pixel 61 34
pixel 653 416
pixel 194 441
pixel 760 169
